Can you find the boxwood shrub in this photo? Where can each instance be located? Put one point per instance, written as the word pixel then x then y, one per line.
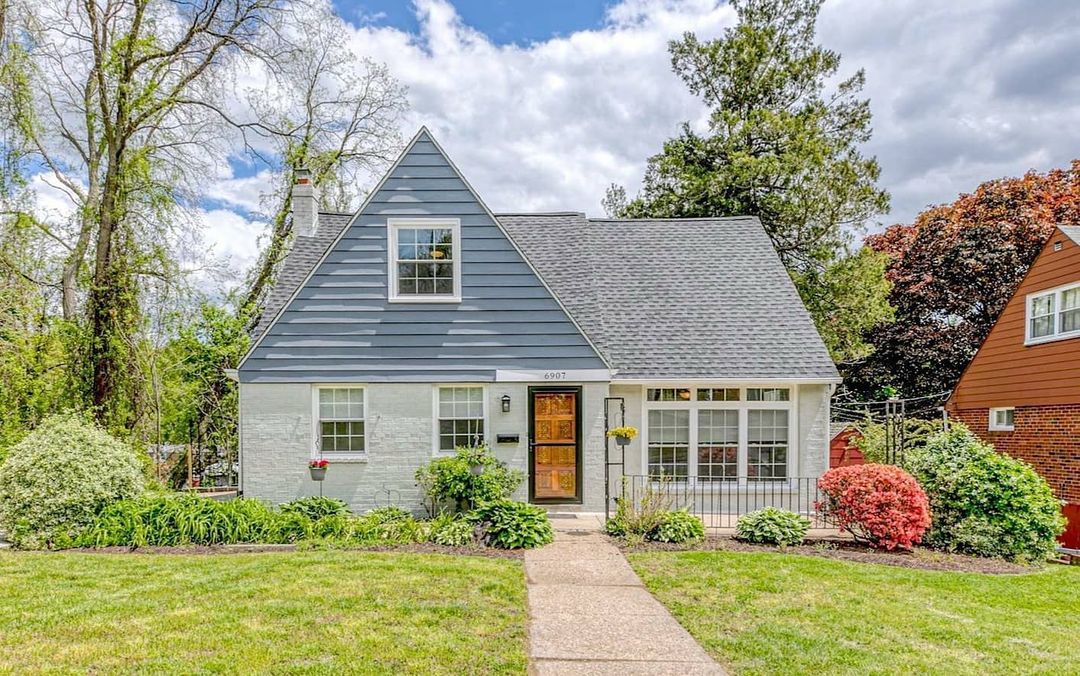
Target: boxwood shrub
pixel 985 503
pixel 56 480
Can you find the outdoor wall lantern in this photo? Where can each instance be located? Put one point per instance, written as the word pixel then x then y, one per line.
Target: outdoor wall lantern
pixel 505 403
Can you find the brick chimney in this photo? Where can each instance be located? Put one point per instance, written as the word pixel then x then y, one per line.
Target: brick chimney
pixel 305 212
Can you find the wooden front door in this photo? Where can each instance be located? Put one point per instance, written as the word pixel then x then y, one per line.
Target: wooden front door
pixel 555 445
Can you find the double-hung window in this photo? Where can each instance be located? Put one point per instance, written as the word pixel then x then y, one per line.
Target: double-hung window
pixel 767 444
pixel 1053 314
pixel 669 443
pixel 718 445
pixel 341 421
pixel 425 260
pixel 460 417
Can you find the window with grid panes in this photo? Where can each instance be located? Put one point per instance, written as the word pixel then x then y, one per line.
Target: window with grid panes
pixel 424 261
pixel 341 420
pixel 718 445
pixel 461 417
pixel 767 444
pixel 669 443
pixel 718 394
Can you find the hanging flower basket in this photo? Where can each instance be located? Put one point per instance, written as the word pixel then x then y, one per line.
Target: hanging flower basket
pixel 623 435
pixel 318 469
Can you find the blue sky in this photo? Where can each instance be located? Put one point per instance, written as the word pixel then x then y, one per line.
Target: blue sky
pixel 503 21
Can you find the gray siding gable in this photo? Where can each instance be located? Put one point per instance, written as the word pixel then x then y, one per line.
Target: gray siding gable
pixel 338 326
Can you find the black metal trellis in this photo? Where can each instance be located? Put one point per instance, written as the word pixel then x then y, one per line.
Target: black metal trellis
pixel 608 464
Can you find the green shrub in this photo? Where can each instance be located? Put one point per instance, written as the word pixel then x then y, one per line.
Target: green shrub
pixel 983 502
pixel 871 439
pixel 383 515
pixel 678 526
pixel 512 525
pixel 56 480
pixel 644 518
pixel 772 526
pixel 316 507
pixel 452 532
pixel 450 483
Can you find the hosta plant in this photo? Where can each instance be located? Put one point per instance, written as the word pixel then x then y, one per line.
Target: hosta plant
pixel 772 526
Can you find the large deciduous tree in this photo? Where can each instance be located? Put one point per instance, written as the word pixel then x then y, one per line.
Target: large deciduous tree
pixel 953 270
pixel 782 146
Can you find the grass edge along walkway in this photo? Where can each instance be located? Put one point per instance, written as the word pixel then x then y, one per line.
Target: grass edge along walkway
pixel 764 613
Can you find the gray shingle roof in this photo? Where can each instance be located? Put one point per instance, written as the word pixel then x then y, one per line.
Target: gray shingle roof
pixel 691 298
pixel 305 253
pixel 1071 231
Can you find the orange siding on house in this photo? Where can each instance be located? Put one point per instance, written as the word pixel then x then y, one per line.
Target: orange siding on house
pixel 1005 372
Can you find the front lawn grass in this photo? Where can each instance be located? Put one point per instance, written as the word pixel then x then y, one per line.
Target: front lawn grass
pixel 781 614
pixel 301 612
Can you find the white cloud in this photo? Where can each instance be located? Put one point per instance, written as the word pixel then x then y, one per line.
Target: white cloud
pixel 961 92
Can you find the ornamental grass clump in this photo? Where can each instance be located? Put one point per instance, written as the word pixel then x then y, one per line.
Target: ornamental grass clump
pixel 56 480
pixel 879 504
pixel 772 526
pixel 986 503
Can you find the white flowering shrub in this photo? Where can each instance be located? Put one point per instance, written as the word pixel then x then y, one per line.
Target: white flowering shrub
pixel 56 480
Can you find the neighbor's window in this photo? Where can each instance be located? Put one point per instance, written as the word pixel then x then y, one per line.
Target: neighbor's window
pixel 341 420
pixel 669 442
pixel 767 394
pixel 1042 316
pixel 668 394
pixel 1070 310
pixel 1054 314
pixel 767 444
pixel 426 263
pixel 1002 419
pixel 461 417
pixel 718 394
pixel 718 445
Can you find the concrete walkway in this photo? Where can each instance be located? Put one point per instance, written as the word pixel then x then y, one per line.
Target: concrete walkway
pixel 590 614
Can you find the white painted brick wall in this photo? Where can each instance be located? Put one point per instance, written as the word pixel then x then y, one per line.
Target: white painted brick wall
pixel 277 436
pixel 813 430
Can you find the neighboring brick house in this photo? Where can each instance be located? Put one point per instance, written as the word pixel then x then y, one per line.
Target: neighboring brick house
pixel 1021 392
pixel 424 321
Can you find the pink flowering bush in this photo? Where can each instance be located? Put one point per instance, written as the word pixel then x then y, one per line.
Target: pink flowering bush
pixel 879 504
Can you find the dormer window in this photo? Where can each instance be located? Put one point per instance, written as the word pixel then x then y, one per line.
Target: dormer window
pixel 1053 315
pixel 425 260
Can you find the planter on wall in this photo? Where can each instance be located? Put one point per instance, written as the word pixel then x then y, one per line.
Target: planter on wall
pixel 317 473
pixel 622 441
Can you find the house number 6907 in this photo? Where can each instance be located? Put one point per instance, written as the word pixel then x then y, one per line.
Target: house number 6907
pixel 555 375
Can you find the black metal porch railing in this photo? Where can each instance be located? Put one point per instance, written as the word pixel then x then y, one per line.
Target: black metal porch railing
pixel 719 504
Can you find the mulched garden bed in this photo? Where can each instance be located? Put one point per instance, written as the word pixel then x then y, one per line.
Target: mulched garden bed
pixel 489 552
pixel 849 550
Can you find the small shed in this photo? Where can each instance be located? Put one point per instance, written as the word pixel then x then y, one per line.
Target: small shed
pixel 842 449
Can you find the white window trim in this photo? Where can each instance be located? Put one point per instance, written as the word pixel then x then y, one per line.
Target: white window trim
pixel 316 431
pixel 392 227
pixel 993 424
pixel 438 452
pixel 743 407
pixel 1029 301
